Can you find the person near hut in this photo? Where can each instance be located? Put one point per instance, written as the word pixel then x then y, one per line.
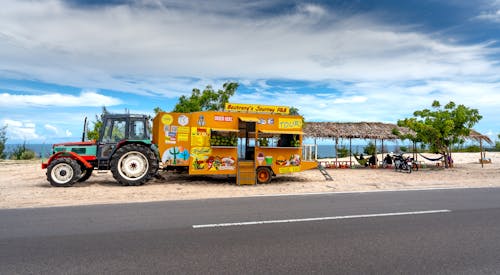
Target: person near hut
pixel 373 161
pixel 387 161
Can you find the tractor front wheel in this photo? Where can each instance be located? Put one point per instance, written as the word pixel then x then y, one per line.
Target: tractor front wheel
pixel 63 172
pixel 134 164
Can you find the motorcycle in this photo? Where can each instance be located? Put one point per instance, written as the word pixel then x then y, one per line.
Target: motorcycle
pixel 402 164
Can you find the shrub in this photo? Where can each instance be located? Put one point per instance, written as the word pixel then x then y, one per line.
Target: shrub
pixel 471 149
pixel 22 153
pixel 370 149
pixel 343 152
pixel 3 140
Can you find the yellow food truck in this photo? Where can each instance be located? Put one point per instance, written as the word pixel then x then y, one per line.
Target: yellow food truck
pixel 253 142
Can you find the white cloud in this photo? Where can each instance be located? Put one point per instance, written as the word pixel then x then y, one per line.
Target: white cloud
pixel 105 47
pixel 21 130
pixel 68 133
pixel 51 128
pixel 168 47
pixel 491 12
pixel 86 98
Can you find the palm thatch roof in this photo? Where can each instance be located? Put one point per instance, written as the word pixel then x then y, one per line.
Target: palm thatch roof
pixel 475 135
pixel 362 130
pixel 366 130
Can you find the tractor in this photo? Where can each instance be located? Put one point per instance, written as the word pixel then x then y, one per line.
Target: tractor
pixel 124 147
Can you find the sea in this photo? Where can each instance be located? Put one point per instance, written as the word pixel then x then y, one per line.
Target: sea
pixel 324 150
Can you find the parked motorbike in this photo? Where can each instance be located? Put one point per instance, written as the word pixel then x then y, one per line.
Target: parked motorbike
pixel 402 164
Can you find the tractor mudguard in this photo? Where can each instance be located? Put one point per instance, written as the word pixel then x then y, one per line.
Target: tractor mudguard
pixel 72 155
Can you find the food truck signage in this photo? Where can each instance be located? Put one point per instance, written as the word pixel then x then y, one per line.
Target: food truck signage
pixel 290 123
pixel 257 108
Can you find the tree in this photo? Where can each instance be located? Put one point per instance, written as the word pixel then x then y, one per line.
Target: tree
pixel 158 110
pixel 3 140
pixel 94 133
pixel 294 111
pixel 442 126
pixel 205 100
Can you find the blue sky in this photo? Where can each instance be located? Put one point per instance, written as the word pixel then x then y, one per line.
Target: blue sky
pixel 342 61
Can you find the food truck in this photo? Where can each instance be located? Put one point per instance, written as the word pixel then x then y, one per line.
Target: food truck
pixel 253 142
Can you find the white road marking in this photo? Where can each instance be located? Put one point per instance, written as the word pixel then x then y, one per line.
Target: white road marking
pixel 367 191
pixel 321 218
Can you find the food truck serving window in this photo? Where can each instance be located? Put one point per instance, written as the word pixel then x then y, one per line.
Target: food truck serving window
pixel 279 139
pixel 223 137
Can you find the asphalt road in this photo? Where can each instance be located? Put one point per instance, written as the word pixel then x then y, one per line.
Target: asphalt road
pixel 330 233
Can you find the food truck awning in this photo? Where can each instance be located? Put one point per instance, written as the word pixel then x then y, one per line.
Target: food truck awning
pixel 290 132
pixel 249 119
pixel 225 130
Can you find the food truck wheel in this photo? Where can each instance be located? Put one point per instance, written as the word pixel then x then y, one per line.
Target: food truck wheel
pixel 263 175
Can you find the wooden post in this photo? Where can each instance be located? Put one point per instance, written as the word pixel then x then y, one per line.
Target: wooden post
pixel 350 151
pixel 382 149
pixel 336 151
pixel 481 149
pixel 315 150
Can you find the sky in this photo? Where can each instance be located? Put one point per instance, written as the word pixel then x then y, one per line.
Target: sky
pixel 340 61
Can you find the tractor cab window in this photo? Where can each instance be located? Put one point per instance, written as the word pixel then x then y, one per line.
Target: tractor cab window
pixel 114 130
pixel 137 129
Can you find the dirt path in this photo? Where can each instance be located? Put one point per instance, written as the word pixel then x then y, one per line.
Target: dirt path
pixel 24 184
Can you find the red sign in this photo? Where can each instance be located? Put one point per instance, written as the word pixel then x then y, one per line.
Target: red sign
pixel 223 118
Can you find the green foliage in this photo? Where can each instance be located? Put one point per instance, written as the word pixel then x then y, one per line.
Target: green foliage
pixel 206 100
pixel 370 149
pixel 470 149
pixel 342 152
pixel 3 140
pixel 441 126
pixel 98 123
pixel 294 111
pixel 158 110
pixel 22 153
pixel 403 149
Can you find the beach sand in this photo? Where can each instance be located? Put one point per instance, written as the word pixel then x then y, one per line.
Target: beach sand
pixel 23 184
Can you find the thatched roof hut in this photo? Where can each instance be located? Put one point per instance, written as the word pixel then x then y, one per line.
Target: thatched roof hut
pixel 474 135
pixel 362 130
pixel 369 130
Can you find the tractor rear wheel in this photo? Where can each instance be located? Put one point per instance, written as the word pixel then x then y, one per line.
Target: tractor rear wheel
pixel 63 172
pixel 134 164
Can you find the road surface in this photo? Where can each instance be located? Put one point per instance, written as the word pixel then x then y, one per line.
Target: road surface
pixel 410 232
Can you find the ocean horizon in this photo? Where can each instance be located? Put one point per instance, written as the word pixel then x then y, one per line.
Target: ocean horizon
pixel 324 150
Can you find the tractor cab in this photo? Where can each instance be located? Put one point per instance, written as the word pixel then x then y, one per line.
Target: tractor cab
pixel 119 129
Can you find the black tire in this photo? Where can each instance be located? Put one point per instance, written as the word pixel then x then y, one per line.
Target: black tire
pixel 63 172
pixel 87 172
pixel 134 164
pixel 263 175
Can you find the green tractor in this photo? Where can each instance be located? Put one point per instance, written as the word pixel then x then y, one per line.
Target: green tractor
pixel 124 147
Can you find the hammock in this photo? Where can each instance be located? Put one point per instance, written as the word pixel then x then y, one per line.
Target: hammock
pixel 360 161
pixel 435 159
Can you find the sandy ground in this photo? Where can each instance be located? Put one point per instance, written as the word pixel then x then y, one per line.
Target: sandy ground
pixel 23 184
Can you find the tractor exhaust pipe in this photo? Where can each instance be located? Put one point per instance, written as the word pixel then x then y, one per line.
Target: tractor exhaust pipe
pixel 84 129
